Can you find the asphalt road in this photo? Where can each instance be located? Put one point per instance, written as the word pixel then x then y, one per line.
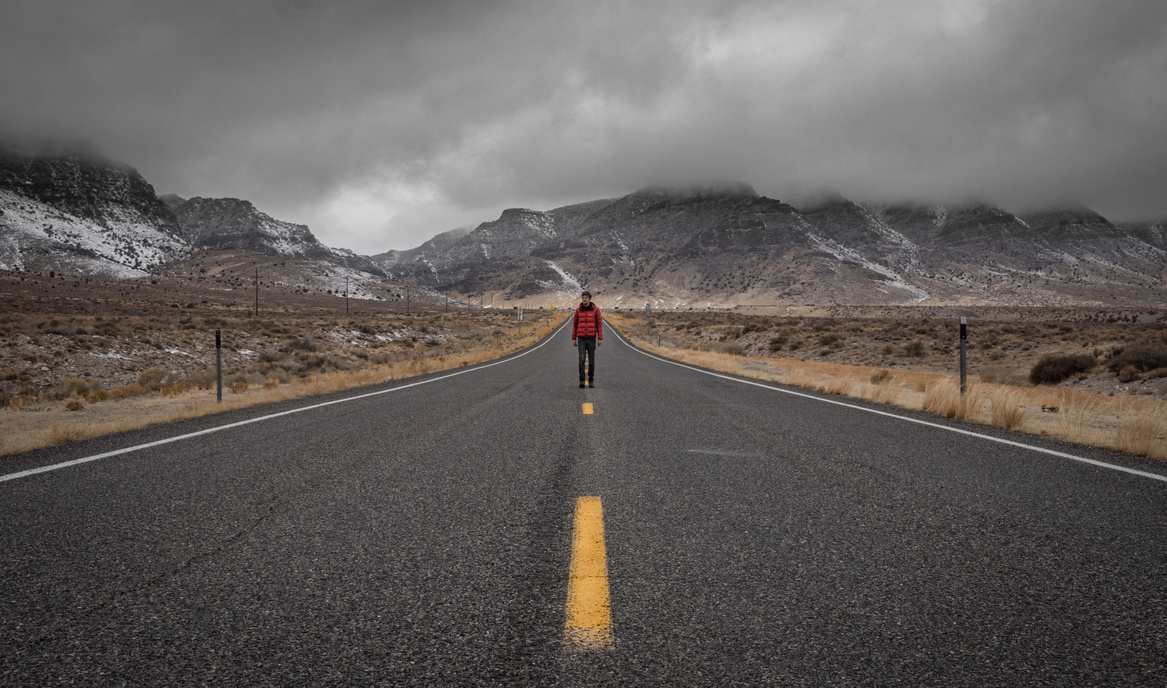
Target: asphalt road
pixel 423 536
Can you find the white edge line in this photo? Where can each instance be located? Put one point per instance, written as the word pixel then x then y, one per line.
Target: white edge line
pixel 1101 464
pixel 126 450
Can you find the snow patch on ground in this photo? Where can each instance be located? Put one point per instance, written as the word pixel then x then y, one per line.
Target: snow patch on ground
pixel 568 280
pixel 112 354
pixel 843 253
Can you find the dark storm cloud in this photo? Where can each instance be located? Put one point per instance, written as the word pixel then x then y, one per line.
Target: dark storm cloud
pixel 381 124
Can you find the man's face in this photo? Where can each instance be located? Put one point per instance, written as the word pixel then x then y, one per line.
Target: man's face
pixel 586 299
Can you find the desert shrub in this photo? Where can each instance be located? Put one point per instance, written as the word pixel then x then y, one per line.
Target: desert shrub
pixel 302 344
pixel 97 395
pixel 1128 374
pixel 828 339
pixel 1157 372
pixel 107 328
pixel 271 383
pixel 777 342
pixel 887 350
pixel 5 398
pixel 1053 368
pixel 74 405
pixel 722 348
pixel 272 356
pixel 882 377
pixel 1143 357
pixel 203 379
pixel 914 348
pixel 173 390
pixel 71 387
pixel 310 362
pixel 1000 375
pixel 238 387
pixel 127 391
pixel 151 378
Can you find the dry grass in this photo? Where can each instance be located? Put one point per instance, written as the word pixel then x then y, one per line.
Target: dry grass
pixel 1079 415
pixel 26 430
pixel 1007 408
pixel 1140 427
pixel 943 397
pixel 1134 425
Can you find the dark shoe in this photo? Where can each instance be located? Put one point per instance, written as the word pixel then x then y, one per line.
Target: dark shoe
pixel 591 384
pixel 581 385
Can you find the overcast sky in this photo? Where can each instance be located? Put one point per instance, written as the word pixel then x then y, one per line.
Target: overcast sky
pixel 380 124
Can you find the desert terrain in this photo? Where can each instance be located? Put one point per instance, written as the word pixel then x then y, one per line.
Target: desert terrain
pixel 80 356
pixel 85 356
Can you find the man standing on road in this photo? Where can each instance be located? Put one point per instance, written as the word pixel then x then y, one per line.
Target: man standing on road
pixel 588 326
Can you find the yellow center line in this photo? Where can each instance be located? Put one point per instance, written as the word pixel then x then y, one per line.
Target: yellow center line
pixel 589 616
pixel 587 409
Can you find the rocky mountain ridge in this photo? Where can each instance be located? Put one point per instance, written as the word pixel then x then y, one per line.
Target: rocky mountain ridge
pixel 714 246
pixel 231 224
pixel 82 215
pixel 74 212
pixel 729 246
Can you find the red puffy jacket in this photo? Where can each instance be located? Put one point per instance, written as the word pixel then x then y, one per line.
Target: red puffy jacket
pixel 588 323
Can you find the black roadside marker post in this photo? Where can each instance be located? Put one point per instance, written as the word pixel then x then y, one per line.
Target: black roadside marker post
pixel 963 355
pixel 219 367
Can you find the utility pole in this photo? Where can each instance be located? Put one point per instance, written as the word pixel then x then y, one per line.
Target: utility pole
pixel 407 295
pixel 346 294
pixel 257 292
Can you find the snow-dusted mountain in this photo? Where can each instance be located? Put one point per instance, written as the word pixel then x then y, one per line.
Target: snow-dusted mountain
pixel 77 213
pixel 233 224
pixel 728 245
pixel 82 214
pixel 74 212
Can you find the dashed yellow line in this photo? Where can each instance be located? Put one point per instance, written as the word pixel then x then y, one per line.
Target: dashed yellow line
pixel 587 409
pixel 589 615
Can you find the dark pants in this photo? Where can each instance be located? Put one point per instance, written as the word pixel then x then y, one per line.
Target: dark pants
pixel 587 349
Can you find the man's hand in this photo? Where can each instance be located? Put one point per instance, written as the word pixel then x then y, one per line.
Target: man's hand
pixel 573 343
pixel 598 343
